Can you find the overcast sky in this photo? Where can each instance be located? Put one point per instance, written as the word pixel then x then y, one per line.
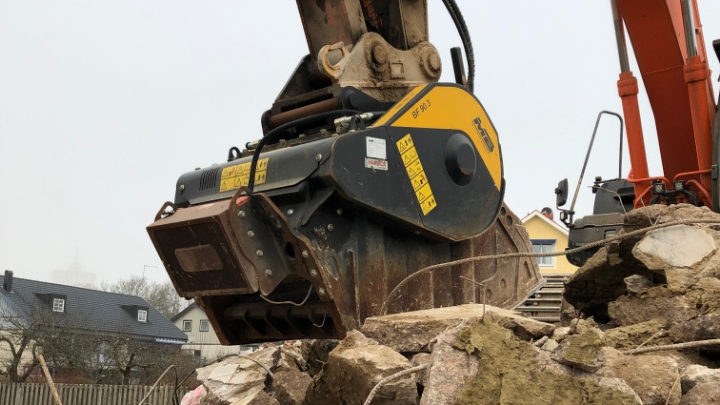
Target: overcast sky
pixel 104 104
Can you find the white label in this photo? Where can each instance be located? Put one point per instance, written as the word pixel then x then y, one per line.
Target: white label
pixel 377 164
pixel 376 148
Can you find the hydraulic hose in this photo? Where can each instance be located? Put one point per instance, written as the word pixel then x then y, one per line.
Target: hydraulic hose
pixel 464 33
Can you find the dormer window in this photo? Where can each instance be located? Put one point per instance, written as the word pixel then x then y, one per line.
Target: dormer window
pixel 142 315
pixel 58 305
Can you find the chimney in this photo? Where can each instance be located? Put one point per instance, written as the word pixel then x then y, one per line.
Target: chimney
pixel 7 281
pixel 548 213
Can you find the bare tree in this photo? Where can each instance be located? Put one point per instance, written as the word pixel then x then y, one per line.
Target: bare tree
pixel 161 296
pixel 59 337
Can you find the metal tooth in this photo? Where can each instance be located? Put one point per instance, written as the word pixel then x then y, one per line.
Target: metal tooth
pixel 290 211
pixel 241 213
pixel 268 273
pixel 259 253
pixel 313 273
pixel 251 234
pixel 318 157
pixel 330 227
pixel 305 254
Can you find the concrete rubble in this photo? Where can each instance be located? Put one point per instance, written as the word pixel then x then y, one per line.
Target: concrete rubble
pixel 658 289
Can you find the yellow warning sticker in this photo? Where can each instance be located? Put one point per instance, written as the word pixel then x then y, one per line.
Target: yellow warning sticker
pixel 237 176
pixel 415 172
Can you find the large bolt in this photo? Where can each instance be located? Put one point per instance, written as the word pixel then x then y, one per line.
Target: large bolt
pixel 268 273
pixel 259 253
pixel 330 227
pixel 318 157
pixel 290 211
pixel 321 291
pixel 305 254
pixel 434 62
pixel 241 214
pixel 339 211
pixel 313 273
pixel 251 234
pixel 379 54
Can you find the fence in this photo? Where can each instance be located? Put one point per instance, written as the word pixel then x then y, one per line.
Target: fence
pixel 85 394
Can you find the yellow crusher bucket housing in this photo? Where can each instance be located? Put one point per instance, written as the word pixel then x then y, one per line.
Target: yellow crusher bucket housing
pixel 336 219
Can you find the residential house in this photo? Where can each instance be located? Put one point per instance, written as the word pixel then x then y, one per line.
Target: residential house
pixel 85 312
pixel 548 236
pixel 202 341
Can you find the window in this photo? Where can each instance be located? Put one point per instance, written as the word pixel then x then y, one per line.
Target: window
pixel 58 305
pixel 187 325
pixel 142 315
pixel 204 325
pixel 544 246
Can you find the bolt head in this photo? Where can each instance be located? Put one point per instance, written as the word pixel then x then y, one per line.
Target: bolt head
pixel 313 273
pixel 241 214
pixel 318 157
pixel 330 227
pixel 251 234
pixel 182 187
pixel 268 273
pixel 290 211
pixel 305 254
pixel 321 291
pixel 339 211
pixel 259 253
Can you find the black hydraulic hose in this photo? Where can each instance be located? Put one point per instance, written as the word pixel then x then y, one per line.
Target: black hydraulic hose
pixel 270 136
pixel 464 33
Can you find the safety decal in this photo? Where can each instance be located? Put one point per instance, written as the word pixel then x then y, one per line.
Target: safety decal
pixel 237 176
pixel 417 176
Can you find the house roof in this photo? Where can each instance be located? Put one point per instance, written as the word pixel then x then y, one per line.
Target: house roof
pixel 99 310
pixel 185 311
pixel 538 214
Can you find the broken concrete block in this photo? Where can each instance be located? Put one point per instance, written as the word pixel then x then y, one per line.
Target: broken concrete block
pixel 419 359
pixel 655 302
pixel 632 336
pixel 652 377
pixel 676 246
pixel 550 345
pixel 354 367
pixel 697 374
pixel 413 332
pixel 289 387
pixel 512 371
pixel 262 398
pixel 583 351
pixel 316 353
pixel 636 283
pixel 560 333
pixel 449 369
pixel 702 394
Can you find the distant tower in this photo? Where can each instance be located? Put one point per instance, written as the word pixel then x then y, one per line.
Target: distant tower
pixel 74 274
pixel 548 213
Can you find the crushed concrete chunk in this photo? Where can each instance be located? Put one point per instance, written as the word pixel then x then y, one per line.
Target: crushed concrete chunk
pixel 354 367
pixel 630 337
pixel 652 377
pixel 550 345
pixel 512 371
pixel 675 246
pixel 702 394
pixel 290 386
pixel 413 332
pixel 560 333
pixel 636 283
pixel 697 374
pixel 583 351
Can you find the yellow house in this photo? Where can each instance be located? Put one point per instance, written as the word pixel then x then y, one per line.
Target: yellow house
pixel 546 236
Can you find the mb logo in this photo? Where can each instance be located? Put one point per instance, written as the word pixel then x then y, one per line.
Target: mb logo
pixel 483 134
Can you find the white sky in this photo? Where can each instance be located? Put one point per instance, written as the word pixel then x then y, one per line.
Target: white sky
pixel 103 104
